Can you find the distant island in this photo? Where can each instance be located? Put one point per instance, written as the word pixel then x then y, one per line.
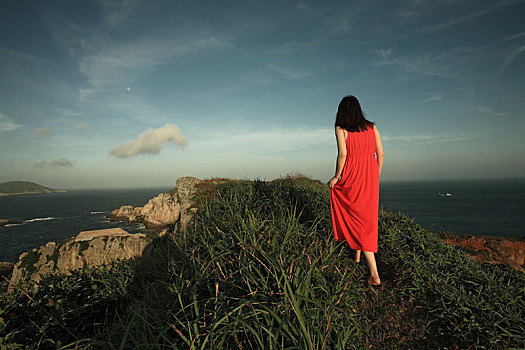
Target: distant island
pixel 12 188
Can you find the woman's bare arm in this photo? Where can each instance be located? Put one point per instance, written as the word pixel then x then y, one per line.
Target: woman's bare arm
pixel 341 155
pixel 379 150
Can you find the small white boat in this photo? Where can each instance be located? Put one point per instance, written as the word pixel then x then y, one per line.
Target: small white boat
pixel 445 194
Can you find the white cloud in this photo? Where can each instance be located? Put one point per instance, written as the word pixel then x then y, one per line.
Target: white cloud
pixel 82 126
pixel 7 124
pixel 56 163
pixel 42 132
pixel 151 141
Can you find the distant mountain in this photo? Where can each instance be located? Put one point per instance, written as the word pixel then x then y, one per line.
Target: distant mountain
pixel 24 187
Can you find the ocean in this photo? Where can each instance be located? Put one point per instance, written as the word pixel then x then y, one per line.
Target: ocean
pixel 486 207
pixel 58 216
pixel 480 207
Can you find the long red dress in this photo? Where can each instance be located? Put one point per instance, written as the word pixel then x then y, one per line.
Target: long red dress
pixel 355 198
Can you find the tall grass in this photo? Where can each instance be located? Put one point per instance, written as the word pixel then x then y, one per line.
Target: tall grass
pixel 258 268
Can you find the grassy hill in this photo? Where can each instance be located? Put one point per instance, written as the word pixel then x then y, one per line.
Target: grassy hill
pixel 259 268
pixel 20 187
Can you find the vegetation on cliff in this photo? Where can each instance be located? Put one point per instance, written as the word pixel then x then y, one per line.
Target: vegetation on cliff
pixel 22 187
pixel 258 268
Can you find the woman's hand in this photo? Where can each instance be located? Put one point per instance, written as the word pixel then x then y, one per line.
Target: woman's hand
pixel 332 182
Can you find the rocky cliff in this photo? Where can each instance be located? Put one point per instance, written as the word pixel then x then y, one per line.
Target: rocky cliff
pixel 93 248
pixel 163 210
pixel 99 247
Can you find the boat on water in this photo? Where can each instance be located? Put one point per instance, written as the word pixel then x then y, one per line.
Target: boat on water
pixel 445 194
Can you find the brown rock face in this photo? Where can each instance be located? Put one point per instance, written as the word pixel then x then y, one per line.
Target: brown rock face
pixel 93 248
pixel 510 251
pixel 163 210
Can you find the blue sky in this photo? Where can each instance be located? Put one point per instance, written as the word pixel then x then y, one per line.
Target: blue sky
pixel 97 94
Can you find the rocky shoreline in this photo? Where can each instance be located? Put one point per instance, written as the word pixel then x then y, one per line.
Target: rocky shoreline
pixel 100 247
pixel 163 210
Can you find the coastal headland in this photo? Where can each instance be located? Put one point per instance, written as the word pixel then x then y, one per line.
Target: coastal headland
pixel 254 264
pixel 13 188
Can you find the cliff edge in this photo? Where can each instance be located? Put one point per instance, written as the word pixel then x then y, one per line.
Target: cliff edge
pixel 163 210
pixel 94 248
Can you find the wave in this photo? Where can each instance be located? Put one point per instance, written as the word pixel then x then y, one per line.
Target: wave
pixel 98 212
pixel 9 225
pixel 40 219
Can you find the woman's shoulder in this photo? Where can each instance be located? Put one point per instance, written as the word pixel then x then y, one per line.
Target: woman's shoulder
pixel 341 130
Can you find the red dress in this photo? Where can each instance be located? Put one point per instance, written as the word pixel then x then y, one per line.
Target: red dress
pixel 355 198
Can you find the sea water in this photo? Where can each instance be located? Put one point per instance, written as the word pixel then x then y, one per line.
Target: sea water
pixel 57 216
pixel 480 207
pixel 488 207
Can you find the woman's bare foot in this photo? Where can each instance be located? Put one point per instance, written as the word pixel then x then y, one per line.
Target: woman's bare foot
pixel 374 281
pixel 357 256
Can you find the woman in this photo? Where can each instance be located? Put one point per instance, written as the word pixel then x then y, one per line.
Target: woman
pixel 354 194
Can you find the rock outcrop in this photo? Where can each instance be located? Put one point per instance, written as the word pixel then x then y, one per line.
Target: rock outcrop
pixel 4 222
pixel 93 248
pixel 491 249
pixel 163 210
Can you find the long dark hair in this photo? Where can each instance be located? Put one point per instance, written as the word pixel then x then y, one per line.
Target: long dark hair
pixel 350 116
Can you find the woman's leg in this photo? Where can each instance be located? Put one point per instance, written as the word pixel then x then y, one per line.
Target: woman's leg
pixel 357 256
pixel 371 261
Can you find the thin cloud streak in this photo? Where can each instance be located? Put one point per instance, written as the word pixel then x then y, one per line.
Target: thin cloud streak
pixel 512 56
pixel 294 74
pixel 434 97
pixel 61 163
pixel 56 163
pixel 266 141
pixel 113 66
pixel 427 139
pixel 489 111
pixel 468 17
pixel 6 124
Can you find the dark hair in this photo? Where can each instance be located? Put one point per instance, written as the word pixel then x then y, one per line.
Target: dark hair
pixel 350 116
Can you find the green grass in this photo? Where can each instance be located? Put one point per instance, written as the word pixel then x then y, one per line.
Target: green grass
pixel 258 268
